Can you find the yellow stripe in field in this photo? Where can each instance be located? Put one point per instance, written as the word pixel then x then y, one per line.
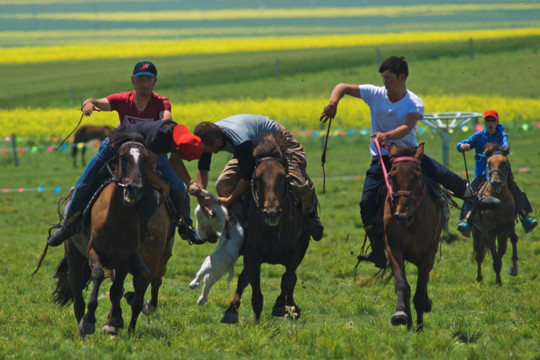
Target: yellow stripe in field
pixel 231 45
pixel 237 14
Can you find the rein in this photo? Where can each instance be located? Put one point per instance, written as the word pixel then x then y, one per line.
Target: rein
pixel 323 156
pixel 385 173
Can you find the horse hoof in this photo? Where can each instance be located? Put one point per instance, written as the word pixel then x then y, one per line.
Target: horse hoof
pixel 513 270
pixel 86 328
pixel 202 301
pixel 148 309
pixel 230 318
pixel 278 311
pixel 400 318
pixel 194 284
pixel 108 329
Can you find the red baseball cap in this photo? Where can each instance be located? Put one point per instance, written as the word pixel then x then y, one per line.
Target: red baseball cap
pixel 492 113
pixel 189 145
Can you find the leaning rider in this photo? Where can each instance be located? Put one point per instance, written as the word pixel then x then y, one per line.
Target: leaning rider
pixel 140 105
pixel 160 137
pixel 239 135
pixel 493 133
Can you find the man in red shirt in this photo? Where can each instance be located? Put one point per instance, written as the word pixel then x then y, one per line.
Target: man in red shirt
pixel 139 105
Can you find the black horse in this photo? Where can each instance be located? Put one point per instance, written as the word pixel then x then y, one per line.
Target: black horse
pixel 276 232
pixel 86 133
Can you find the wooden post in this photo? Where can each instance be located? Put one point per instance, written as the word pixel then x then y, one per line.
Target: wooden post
pixel 378 56
pixel 14 148
pixel 471 48
pixel 181 80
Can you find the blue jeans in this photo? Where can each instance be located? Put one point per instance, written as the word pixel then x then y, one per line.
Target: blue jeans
pixel 178 189
pixel 92 177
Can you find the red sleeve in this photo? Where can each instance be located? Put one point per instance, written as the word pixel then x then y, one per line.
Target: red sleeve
pixel 118 99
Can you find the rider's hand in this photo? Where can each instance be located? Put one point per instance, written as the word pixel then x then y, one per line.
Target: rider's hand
pixel 194 189
pixel 202 200
pixel 381 138
pixel 87 108
pixel 465 147
pixel 225 201
pixel 329 112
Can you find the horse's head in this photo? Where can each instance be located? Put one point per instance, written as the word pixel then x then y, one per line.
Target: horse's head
pixel 130 172
pixel 269 184
pixel 498 166
pixel 408 188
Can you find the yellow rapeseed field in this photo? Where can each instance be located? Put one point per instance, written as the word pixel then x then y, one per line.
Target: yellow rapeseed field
pixel 296 114
pixel 212 46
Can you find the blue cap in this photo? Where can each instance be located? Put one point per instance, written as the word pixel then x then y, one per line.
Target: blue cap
pixel 145 68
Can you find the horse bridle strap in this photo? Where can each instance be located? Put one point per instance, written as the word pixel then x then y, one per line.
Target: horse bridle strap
pixel 253 187
pixel 114 178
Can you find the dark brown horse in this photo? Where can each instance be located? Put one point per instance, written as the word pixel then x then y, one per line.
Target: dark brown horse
pixel 413 221
pixel 110 239
pixel 276 233
pixel 498 223
pixel 86 133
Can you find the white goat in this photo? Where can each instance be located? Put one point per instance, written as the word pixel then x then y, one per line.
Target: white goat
pixel 223 258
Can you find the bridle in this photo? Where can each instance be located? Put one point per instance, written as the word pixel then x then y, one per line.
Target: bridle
pixel 114 178
pixel 399 193
pixel 405 193
pixel 254 192
pixel 503 174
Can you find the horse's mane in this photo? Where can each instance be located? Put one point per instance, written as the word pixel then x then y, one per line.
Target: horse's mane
pixel 493 147
pixel 123 135
pixel 268 147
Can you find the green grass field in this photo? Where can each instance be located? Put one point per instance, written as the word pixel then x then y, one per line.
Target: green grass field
pixel 342 317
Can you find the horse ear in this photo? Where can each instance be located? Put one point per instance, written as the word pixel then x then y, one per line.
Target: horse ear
pixel 419 151
pixel 506 149
pixel 393 149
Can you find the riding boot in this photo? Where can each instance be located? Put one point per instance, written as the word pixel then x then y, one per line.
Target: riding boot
pixel 377 254
pixel 482 203
pixel 186 231
pixel 316 228
pixel 463 225
pixel 65 231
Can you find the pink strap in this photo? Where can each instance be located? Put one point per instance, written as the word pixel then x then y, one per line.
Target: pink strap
pixel 406 158
pixel 385 173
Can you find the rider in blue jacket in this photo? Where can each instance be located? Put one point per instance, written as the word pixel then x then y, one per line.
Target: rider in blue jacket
pixel 493 133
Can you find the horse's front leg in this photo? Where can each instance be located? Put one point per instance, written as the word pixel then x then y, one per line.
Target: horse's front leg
pixel 497 262
pixel 286 298
pixel 114 319
pixel 88 321
pixel 76 266
pixel 139 271
pixel 256 293
pixel 479 252
pixel 422 302
pixel 402 315
pixel 231 314
pixel 513 269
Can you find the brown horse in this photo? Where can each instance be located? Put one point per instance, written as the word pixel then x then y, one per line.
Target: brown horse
pixel 413 221
pixel 276 233
pixel 498 223
pixel 86 133
pixel 110 239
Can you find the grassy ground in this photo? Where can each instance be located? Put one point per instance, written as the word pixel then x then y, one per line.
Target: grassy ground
pixel 342 317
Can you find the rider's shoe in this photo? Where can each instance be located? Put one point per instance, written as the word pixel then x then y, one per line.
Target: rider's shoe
pixel 62 234
pixel 464 228
pixel 528 223
pixel 377 257
pixel 186 232
pixel 316 228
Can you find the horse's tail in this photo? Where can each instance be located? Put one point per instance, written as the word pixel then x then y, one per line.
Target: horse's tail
pixel 62 293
